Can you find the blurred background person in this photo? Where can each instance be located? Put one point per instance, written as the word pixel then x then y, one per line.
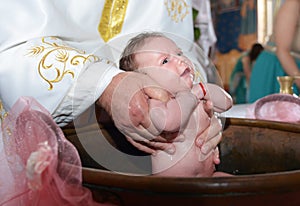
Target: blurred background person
pixel 240 76
pixel 287 37
pixel 281 60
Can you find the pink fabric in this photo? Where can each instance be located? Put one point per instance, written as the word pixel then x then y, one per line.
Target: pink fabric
pixel 276 107
pixel 43 168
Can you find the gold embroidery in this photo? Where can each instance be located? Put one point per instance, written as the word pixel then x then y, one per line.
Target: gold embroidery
pixel 63 60
pixel 3 113
pixel 177 9
pixel 198 76
pixel 112 19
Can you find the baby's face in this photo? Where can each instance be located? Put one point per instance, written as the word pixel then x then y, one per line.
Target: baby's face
pixel 160 52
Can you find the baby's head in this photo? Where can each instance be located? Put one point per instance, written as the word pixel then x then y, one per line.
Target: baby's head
pixel 155 50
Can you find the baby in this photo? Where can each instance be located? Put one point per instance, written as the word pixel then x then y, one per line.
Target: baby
pixel 149 53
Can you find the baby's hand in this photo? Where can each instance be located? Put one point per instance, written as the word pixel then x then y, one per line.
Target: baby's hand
pixel 199 90
pixel 221 100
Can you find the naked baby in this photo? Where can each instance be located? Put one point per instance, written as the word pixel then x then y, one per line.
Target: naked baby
pixel 150 53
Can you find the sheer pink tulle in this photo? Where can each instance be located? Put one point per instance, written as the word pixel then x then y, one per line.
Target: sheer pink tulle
pixel 276 107
pixel 42 168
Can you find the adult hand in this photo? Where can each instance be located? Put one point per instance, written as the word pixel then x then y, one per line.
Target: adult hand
pixel 208 139
pixel 126 100
pixel 211 137
pixel 205 127
pixel 219 101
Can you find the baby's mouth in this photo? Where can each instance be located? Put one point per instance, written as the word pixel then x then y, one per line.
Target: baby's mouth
pixel 186 72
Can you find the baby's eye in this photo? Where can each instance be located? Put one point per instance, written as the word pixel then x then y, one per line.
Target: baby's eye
pixel 166 60
pixel 180 53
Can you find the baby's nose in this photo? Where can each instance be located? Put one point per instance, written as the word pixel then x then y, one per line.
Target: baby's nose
pixel 178 60
pixel 183 64
pixel 182 61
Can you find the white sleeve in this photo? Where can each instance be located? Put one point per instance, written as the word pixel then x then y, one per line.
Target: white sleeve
pixel 60 77
pixel 42 68
pixel 85 91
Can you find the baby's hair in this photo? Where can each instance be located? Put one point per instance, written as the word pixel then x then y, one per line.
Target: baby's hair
pixel 127 61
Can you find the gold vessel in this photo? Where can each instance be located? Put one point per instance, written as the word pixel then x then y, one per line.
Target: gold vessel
pixel 286 84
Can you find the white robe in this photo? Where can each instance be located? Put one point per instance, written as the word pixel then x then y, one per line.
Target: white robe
pixel 27 48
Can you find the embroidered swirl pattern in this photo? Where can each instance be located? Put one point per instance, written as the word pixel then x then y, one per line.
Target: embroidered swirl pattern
pixel 177 9
pixel 59 59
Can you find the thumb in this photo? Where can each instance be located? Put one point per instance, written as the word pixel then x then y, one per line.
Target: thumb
pixel 157 93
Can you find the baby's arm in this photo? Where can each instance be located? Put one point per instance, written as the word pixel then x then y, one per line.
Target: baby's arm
pixel 221 100
pixel 167 116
